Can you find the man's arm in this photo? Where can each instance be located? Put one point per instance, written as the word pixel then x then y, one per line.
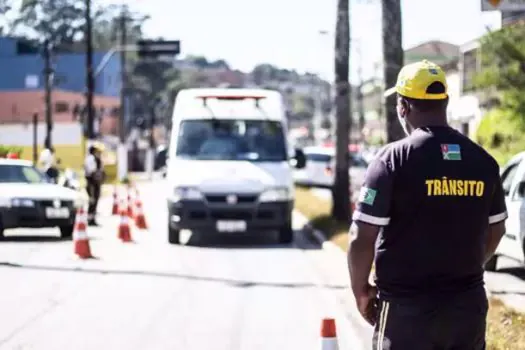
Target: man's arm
pixel 372 212
pixel 361 255
pixel 494 235
pixel 498 215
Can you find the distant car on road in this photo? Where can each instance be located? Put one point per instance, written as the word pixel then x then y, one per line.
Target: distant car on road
pixel 29 200
pixel 320 167
pixel 512 244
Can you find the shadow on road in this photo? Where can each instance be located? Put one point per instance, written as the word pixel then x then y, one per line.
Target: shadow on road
pixel 262 240
pixel 227 281
pixel 33 239
pixel 518 272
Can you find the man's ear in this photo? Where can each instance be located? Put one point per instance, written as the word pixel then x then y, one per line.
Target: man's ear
pixel 405 107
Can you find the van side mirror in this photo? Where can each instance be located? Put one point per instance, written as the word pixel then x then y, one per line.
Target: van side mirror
pixel 161 159
pixel 299 159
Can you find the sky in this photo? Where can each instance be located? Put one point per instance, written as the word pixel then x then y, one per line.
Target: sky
pixel 286 33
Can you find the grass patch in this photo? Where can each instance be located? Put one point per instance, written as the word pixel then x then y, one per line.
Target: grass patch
pixel 319 212
pixel 505 326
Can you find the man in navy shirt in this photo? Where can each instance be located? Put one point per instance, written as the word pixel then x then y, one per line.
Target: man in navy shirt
pixel 431 211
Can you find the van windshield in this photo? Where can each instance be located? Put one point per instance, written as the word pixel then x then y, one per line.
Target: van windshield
pixel 232 139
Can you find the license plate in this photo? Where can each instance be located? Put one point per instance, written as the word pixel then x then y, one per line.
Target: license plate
pixel 231 226
pixel 57 213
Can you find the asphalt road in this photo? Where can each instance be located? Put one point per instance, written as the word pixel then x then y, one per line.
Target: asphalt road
pixel 507 283
pixel 239 294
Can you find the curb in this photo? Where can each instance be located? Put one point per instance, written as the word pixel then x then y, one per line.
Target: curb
pixel 318 235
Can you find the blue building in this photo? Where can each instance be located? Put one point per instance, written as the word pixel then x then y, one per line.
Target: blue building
pixel 21 68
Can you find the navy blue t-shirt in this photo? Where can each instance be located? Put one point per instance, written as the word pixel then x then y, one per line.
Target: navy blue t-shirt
pixel 434 194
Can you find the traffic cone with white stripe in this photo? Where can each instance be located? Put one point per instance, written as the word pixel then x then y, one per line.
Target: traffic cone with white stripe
pixel 115 208
pixel 140 219
pixel 124 230
pixel 329 335
pixel 80 237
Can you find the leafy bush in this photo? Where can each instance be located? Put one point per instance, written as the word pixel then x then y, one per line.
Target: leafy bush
pixel 5 150
pixel 501 134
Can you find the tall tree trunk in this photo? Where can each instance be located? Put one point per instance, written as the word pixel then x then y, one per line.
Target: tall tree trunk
pixel 393 58
pixel 340 190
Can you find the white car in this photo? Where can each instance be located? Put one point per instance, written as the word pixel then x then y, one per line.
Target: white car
pixel 512 244
pixel 29 200
pixel 320 167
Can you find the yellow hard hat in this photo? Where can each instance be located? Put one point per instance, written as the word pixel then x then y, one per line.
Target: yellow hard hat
pixel 414 79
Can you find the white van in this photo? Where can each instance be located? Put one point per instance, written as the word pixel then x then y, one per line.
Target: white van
pixel 229 166
pixel 512 244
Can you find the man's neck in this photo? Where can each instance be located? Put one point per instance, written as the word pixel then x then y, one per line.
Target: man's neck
pixel 430 120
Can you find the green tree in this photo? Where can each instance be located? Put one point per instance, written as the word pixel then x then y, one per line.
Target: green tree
pixel 503 74
pixel 5 6
pixel 59 21
pixel 503 62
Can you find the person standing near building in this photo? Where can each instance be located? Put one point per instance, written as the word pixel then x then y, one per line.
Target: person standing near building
pixel 48 162
pixel 94 174
pixel 431 212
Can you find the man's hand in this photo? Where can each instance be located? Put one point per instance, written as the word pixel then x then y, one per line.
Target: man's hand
pixel 367 304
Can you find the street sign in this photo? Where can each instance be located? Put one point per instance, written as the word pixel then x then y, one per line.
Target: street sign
pixel 154 48
pixel 503 5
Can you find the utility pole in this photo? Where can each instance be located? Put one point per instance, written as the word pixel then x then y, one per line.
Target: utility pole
pixel 360 102
pixel 48 76
pixel 122 149
pixel 90 80
pixel 35 138
pixel 341 188
pixel 393 57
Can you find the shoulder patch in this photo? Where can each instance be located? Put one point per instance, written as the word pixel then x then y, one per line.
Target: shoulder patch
pixel 367 195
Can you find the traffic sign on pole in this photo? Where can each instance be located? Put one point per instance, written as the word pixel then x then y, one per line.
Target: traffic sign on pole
pixel 503 5
pixel 154 48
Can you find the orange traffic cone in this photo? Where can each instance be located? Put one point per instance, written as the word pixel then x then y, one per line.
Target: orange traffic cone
pixel 140 219
pixel 80 237
pixel 124 231
pixel 114 210
pixel 329 335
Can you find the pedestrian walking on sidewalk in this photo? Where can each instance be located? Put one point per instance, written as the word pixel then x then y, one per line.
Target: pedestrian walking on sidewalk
pixel 94 174
pixel 431 212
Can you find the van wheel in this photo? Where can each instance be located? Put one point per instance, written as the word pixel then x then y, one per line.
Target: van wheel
pixel 173 236
pixel 492 263
pixel 286 234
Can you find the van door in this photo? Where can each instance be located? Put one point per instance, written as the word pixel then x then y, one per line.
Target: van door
pixel 511 243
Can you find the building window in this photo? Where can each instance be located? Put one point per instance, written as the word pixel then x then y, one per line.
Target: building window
pixel 470 69
pixel 61 107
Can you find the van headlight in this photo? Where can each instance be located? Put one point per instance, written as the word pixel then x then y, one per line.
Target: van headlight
pixel 5 202
pixel 186 193
pixel 22 202
pixel 275 195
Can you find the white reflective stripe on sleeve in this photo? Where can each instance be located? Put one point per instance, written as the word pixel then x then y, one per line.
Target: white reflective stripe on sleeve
pixel 369 219
pixel 493 219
